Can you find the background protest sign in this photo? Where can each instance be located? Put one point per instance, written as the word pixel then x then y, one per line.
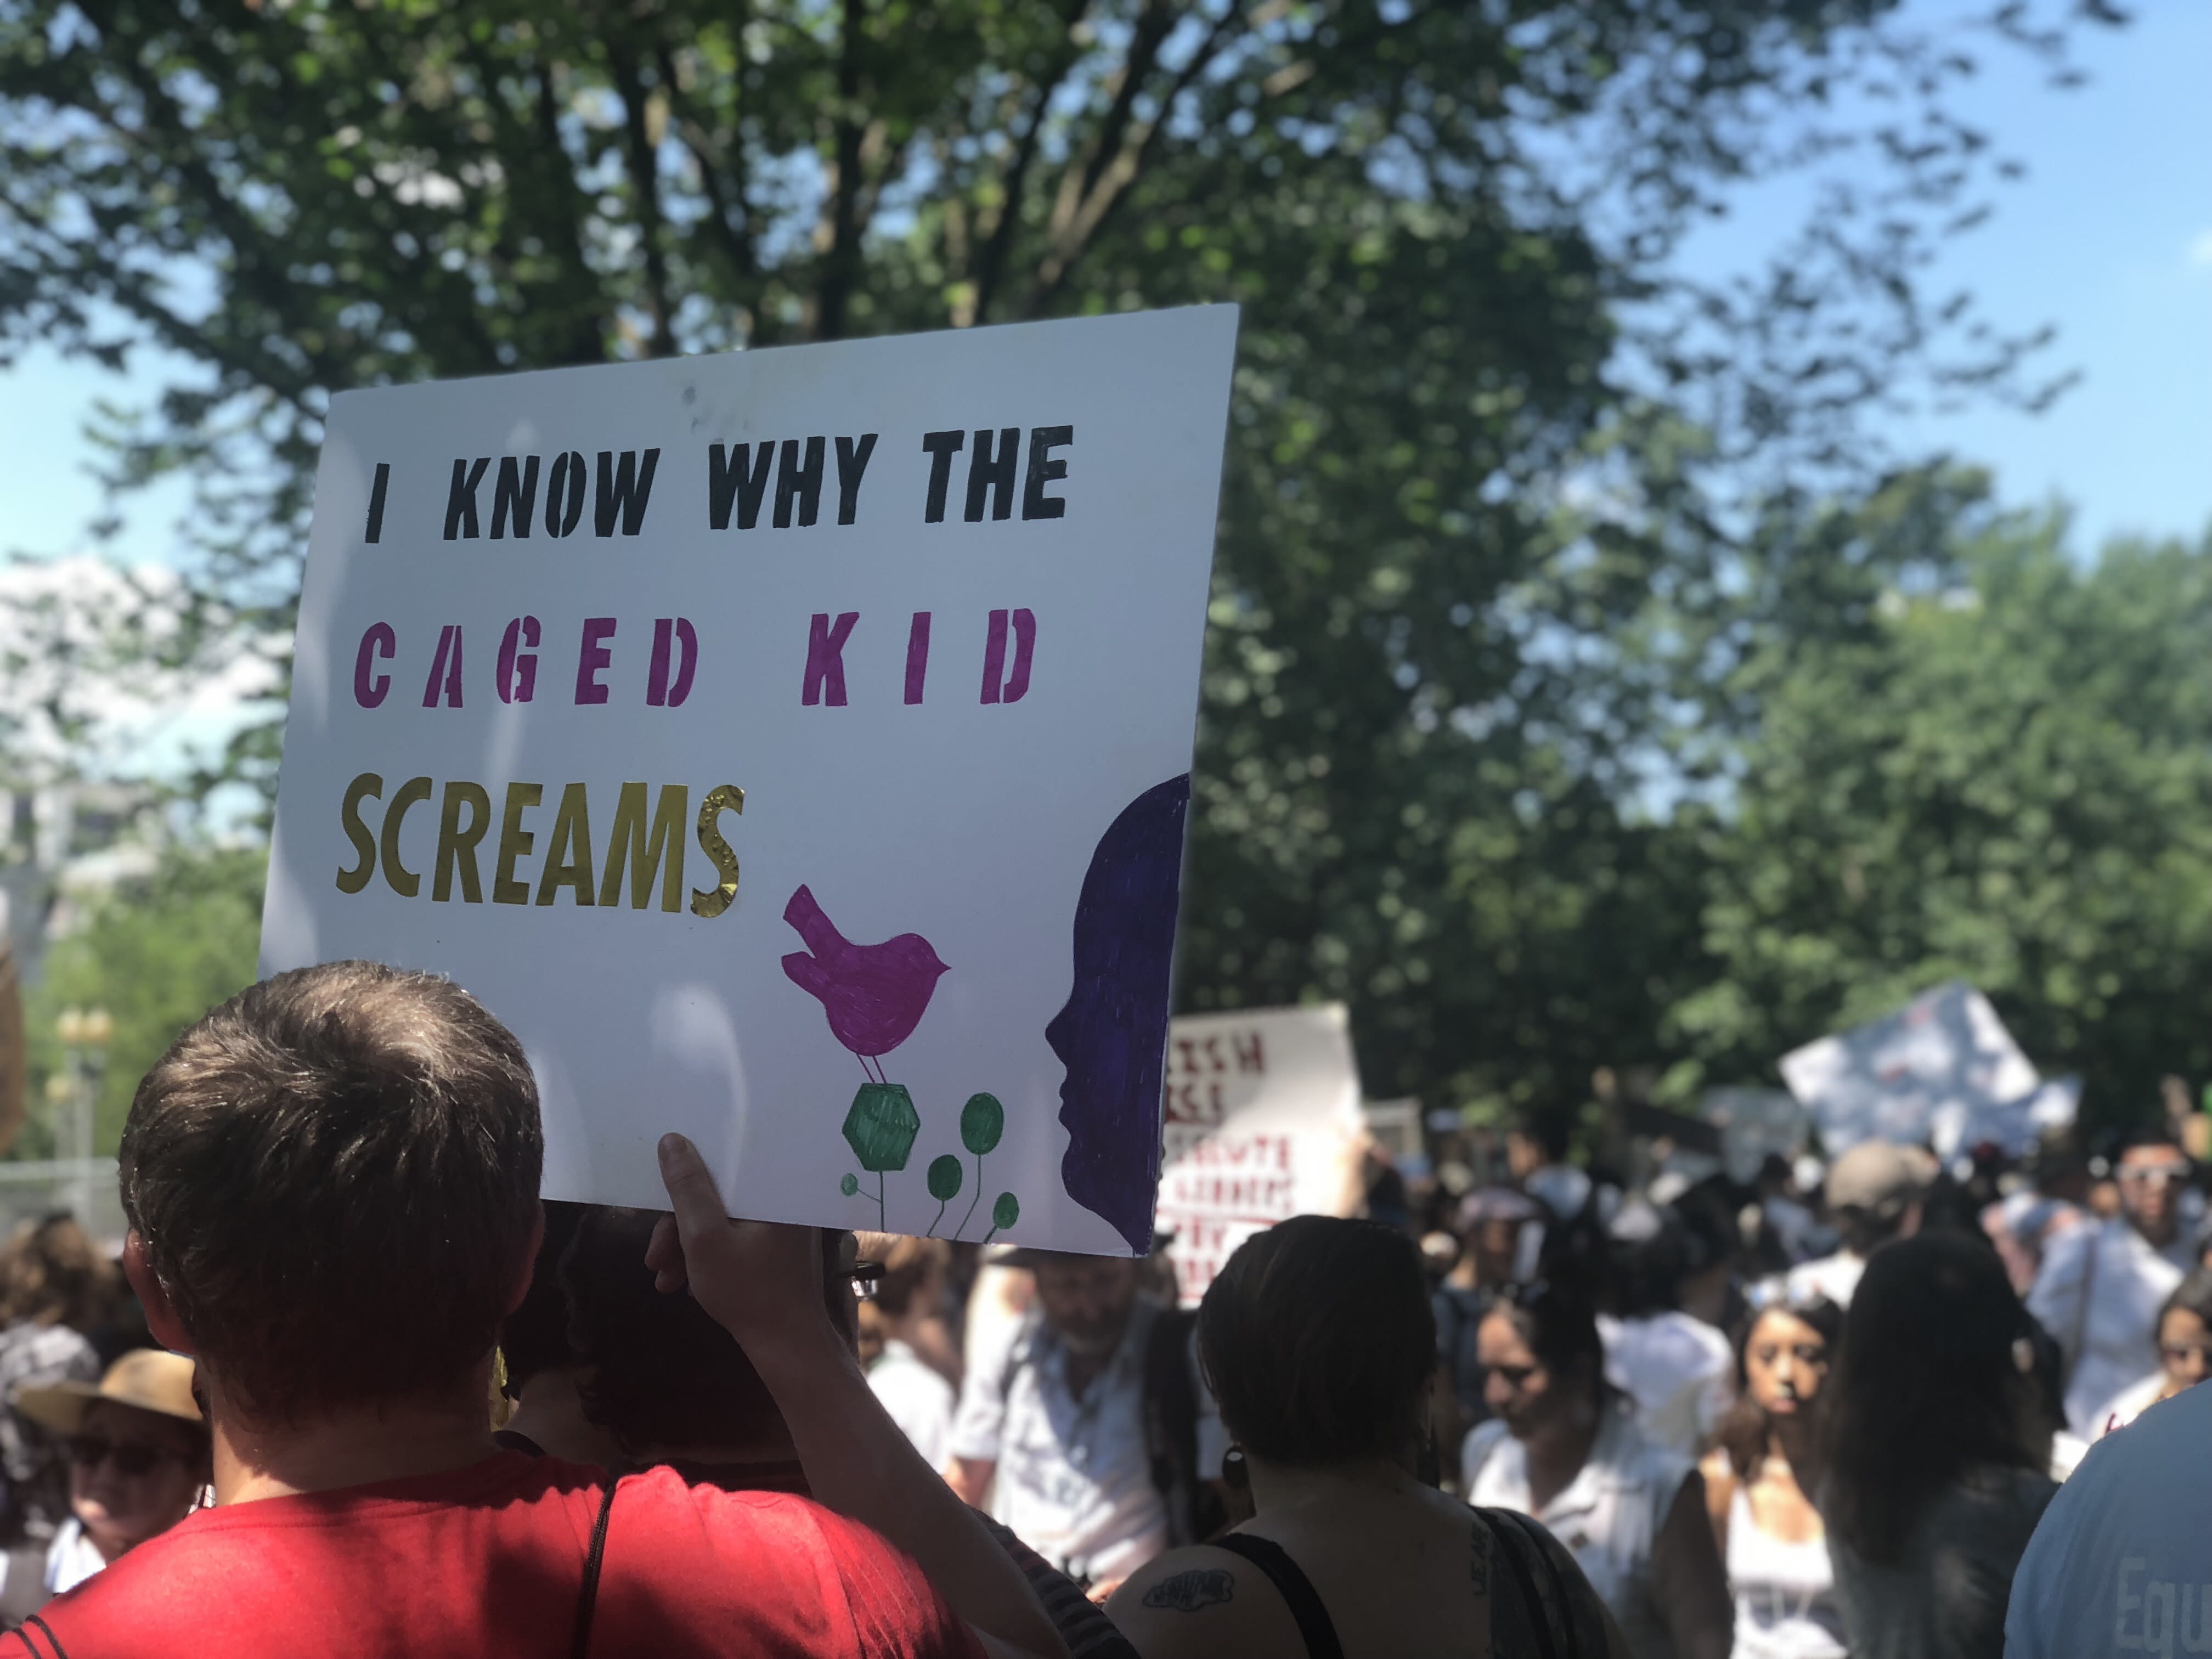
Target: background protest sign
pixel 792 746
pixel 1942 1070
pixel 1263 1123
pixel 1755 1124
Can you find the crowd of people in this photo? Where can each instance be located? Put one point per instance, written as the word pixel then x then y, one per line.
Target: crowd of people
pixel 1545 1409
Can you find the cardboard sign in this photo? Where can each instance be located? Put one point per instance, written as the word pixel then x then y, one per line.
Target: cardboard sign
pixel 1755 1124
pixel 792 746
pixel 1263 1123
pixel 1942 1070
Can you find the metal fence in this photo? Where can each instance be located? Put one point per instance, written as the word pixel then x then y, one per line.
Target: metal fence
pixel 85 1186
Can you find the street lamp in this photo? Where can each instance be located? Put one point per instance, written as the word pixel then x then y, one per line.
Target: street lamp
pixel 85 1035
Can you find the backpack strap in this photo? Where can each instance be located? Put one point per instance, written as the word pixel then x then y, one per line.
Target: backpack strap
pixel 588 1598
pixel 1296 1590
pixel 1564 1615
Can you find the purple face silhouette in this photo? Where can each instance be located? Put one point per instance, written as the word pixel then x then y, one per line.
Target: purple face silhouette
pixel 1112 1036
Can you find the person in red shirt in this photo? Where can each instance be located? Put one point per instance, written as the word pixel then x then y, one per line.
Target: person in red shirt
pixel 331 1187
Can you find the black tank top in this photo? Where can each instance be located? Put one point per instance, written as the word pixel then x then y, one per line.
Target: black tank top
pixel 1540 1604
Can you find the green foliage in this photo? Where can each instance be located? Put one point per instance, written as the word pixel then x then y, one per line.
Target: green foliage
pixel 1964 753
pixel 156 952
pixel 1476 430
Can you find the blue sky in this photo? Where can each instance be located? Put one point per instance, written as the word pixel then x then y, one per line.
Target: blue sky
pixel 2109 237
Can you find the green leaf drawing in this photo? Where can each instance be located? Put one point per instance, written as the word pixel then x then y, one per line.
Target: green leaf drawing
pixel 1006 1211
pixel 849 1183
pixel 983 1121
pixel 944 1183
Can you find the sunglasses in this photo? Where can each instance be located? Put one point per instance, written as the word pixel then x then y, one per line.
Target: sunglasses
pixel 89 1451
pixel 2157 1174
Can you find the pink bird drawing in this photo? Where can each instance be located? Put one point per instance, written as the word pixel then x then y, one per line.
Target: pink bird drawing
pixel 873 994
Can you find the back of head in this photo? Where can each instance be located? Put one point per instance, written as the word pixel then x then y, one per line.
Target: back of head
pixel 1649 1253
pixel 1927 1386
pixel 2193 1295
pixel 53 1274
pixel 334 1178
pixel 657 1373
pixel 1318 1339
pixel 1871 1187
pixel 535 1336
pixel 913 1272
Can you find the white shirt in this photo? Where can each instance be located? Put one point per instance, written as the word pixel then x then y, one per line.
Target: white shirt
pixel 2098 1295
pixel 1075 1473
pixel 71 1558
pixel 2123 1407
pixel 1679 1370
pixel 917 1398
pixel 1832 1276
pixel 1785 1592
pixel 1609 1516
pixel 2122 1562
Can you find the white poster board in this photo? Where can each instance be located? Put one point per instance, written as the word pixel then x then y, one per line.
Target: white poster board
pixel 1756 1124
pixel 792 746
pixel 1942 1070
pixel 1263 1123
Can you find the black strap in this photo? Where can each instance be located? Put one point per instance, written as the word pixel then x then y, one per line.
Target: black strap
pixel 1518 1539
pixel 1311 1617
pixel 588 1598
pixel 46 1630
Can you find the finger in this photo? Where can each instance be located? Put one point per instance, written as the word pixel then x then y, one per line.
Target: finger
pixel 692 1191
pixel 664 1256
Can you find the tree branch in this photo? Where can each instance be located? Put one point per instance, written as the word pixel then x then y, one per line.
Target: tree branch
pixel 991 264
pixel 643 165
pixel 735 234
pixel 841 261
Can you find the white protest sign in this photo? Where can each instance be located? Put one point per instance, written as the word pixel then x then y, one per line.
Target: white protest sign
pixel 1943 1068
pixel 1263 1123
pixel 1755 1124
pixel 792 746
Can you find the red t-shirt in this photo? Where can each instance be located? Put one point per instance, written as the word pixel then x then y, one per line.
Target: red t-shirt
pixel 486 1562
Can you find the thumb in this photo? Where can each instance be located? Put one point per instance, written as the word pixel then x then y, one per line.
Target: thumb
pixel 692 1193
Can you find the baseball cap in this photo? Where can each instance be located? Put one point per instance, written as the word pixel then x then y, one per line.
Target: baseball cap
pixel 1880 1177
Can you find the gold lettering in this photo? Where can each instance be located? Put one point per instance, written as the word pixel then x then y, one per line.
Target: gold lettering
pixel 711 902
pixel 514 843
pixel 367 786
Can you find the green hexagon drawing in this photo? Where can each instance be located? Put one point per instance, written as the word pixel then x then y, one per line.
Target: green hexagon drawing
pixel 881 1126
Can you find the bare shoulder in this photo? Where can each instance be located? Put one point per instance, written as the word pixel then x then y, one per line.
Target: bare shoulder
pixel 1202 1603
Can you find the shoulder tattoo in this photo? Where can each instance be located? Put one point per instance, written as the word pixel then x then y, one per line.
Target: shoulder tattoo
pixel 1187 1592
pixel 1479 1565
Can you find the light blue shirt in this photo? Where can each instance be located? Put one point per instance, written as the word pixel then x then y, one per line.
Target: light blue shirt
pixel 2122 1563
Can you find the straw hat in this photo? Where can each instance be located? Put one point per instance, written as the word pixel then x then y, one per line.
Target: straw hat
pixel 145 1379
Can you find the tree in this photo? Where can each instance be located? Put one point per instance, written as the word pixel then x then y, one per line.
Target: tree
pixel 156 952
pixel 1449 226
pixel 1973 756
